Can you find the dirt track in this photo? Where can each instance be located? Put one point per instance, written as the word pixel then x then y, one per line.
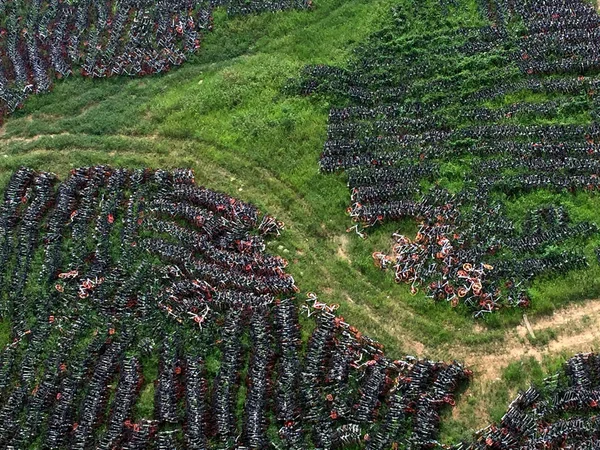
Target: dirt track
pixel 572 335
pixel 574 329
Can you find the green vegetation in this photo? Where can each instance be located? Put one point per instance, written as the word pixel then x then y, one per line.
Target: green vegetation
pixel 543 337
pixel 4 333
pixel 225 115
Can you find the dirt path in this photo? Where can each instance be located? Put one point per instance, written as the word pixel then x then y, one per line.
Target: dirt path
pixel 574 329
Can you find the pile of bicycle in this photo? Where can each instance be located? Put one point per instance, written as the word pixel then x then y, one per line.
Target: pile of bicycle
pixel 429 132
pixel 112 269
pixel 44 40
pixel 244 7
pixel 145 313
pixel 40 41
pixel 562 413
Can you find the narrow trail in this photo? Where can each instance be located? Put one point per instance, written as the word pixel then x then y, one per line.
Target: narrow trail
pixel 574 332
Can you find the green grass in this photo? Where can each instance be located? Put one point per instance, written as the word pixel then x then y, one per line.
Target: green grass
pixel 224 115
pixel 4 333
pixel 144 407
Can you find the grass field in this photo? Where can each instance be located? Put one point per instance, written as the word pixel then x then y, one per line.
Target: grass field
pixel 224 115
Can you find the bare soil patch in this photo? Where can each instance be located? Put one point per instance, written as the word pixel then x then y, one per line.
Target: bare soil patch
pixel 342 241
pixel 572 335
pixel 575 331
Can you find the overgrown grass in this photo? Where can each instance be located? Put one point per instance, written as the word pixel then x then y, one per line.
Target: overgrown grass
pixel 4 333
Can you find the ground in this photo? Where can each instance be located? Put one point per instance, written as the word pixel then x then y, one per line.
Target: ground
pixel 224 114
